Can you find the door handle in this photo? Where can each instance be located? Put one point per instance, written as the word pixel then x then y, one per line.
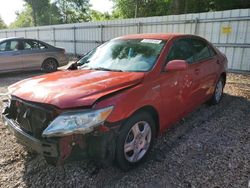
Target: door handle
pixel 16 53
pixel 196 71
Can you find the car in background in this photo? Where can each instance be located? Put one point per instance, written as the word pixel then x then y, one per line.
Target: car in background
pixel 117 98
pixel 28 54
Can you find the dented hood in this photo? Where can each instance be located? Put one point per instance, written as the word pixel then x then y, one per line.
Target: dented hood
pixel 69 89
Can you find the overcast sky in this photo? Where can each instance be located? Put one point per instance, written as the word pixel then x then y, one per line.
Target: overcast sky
pixel 9 7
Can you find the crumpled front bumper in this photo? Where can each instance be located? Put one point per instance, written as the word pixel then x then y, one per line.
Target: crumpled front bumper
pixel 97 145
pixel 44 148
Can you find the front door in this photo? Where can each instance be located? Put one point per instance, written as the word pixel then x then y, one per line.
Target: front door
pixel 10 55
pixel 176 91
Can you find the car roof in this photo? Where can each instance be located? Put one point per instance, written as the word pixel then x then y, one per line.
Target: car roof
pixel 160 36
pixel 11 38
pixel 22 38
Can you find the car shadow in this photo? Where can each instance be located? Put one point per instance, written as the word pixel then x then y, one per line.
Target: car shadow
pixel 188 142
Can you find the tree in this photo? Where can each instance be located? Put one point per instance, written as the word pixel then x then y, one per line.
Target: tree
pixel 194 6
pixel 73 11
pixel 145 8
pixel 55 17
pixel 24 18
pixel 40 11
pixel 47 12
pixel 98 16
pixel 2 24
pixel 141 8
pixel 189 6
pixel 229 4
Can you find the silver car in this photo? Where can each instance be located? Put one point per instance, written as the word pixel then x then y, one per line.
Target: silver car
pixel 21 53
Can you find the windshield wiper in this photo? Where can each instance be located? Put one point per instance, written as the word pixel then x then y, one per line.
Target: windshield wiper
pixel 106 69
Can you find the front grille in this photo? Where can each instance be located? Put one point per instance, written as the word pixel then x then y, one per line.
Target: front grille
pixel 33 118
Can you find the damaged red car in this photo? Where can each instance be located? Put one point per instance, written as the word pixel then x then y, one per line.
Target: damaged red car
pixel 112 103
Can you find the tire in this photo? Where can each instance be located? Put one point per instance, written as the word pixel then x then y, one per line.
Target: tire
pixel 49 65
pixel 218 92
pixel 137 142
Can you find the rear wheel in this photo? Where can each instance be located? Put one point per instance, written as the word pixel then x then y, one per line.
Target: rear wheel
pixel 135 140
pixel 49 65
pixel 218 92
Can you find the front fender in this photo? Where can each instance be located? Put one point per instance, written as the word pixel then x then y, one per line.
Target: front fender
pixel 129 101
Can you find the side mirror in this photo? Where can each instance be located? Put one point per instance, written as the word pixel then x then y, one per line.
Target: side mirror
pixel 74 65
pixel 176 65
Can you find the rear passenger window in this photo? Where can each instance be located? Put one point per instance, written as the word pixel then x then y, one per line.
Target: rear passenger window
pixel 181 50
pixel 201 49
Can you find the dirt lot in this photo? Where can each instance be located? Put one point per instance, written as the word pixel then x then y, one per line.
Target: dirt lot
pixel 209 148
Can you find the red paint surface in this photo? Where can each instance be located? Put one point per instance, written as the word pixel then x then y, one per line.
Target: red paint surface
pixel 172 94
pixel 69 89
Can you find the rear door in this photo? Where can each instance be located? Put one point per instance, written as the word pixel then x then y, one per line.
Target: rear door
pixel 190 87
pixel 206 67
pixel 10 55
pixel 34 54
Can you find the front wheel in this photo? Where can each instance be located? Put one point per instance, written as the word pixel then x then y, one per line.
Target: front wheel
pixel 135 140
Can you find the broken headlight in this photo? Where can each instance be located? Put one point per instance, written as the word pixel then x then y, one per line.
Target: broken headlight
pixel 77 122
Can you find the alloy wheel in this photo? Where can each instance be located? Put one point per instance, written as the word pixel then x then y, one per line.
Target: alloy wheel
pixel 137 141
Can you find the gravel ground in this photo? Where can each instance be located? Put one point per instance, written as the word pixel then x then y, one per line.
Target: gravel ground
pixel 209 148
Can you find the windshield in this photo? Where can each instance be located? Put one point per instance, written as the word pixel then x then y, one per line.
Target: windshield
pixel 135 55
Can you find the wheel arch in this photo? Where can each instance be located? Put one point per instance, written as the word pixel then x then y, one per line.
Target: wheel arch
pixel 152 111
pixel 50 58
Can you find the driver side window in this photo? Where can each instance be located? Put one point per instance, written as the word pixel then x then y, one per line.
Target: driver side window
pixel 33 45
pixel 181 50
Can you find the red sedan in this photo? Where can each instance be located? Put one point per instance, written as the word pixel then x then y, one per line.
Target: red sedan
pixel 112 103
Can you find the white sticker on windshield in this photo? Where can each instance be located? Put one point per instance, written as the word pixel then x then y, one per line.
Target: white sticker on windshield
pixel 153 41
